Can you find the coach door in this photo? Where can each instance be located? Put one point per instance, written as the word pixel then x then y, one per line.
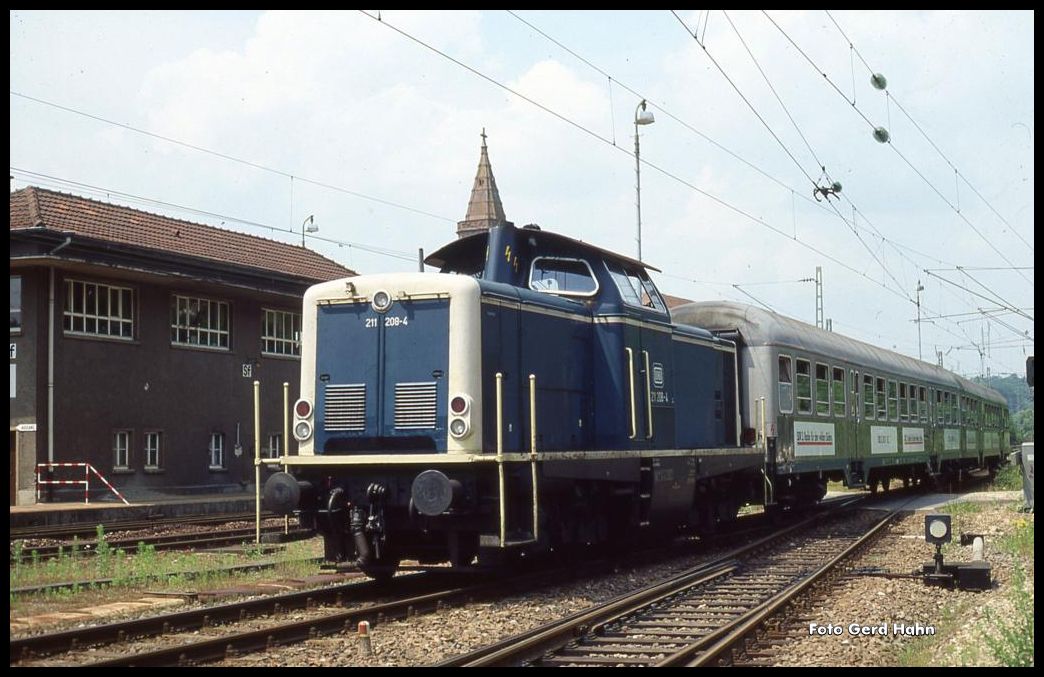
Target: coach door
pixel 850 442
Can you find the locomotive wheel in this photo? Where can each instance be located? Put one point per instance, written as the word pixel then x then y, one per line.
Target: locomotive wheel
pixel 885 484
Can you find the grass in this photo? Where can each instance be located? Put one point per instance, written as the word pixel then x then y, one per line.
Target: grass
pixel 959 508
pixel 1019 542
pixel 1011 639
pixel 1008 478
pixel 130 569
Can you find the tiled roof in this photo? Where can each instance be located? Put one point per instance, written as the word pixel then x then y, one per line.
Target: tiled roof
pixel 674 301
pixel 39 208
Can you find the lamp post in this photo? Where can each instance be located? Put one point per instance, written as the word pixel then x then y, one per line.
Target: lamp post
pixel 310 228
pixel 920 288
pixel 641 117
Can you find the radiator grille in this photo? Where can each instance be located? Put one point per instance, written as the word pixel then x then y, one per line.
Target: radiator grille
pixel 345 407
pixel 414 406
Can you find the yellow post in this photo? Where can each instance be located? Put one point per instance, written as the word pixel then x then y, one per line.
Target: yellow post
pixel 286 442
pixel 257 461
pixel 533 454
pixel 500 456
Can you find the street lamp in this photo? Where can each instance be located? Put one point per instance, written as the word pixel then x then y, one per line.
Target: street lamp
pixel 310 228
pixel 920 288
pixel 641 117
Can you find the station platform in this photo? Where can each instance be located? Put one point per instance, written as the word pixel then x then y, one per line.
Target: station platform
pixel 934 501
pixel 100 512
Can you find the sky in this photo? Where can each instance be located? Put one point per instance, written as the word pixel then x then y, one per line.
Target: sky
pixel 370 123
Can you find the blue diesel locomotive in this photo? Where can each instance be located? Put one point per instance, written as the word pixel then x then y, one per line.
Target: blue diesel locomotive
pixel 536 395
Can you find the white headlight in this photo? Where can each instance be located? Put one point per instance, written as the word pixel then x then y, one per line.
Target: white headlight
pixel 302 430
pixel 381 301
pixel 458 427
pixel 937 528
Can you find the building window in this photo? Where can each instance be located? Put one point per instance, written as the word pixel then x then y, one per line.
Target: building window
pixel 839 392
pixel 16 304
pixel 786 384
pixel 199 322
pixel 275 446
pixel 822 390
pixel 98 310
pixel 281 333
pixel 152 450
pixel 121 450
pixel 217 451
pixel 804 387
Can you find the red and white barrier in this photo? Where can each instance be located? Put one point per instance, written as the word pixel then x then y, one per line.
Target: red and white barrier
pixel 87 470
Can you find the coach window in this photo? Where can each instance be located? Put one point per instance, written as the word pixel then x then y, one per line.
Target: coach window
pixel 893 408
pixel 822 390
pixel 882 403
pixel 839 392
pixel 868 397
pixel 786 384
pixel 912 394
pixel 947 416
pixel 904 407
pixel 804 387
pixel 922 404
pixel 939 409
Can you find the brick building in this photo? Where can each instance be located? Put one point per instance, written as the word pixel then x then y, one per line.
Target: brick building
pixel 135 340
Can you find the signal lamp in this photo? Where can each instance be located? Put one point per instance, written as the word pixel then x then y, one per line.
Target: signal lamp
pixel 303 408
pixel 937 529
pixel 459 404
pixel 381 301
pixel 302 430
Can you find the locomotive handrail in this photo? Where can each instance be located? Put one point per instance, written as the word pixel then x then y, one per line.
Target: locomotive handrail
pixel 533 454
pixel 648 396
pixel 630 381
pixel 500 455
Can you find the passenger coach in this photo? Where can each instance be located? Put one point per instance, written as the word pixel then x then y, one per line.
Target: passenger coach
pixel 828 407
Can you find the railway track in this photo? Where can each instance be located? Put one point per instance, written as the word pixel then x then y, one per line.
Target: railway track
pixel 79 645
pixel 697 617
pixel 203 539
pixel 180 647
pixel 89 529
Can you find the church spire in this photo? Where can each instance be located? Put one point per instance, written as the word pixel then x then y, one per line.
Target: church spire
pixel 485 210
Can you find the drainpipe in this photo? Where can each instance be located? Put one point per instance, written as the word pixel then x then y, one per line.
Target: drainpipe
pixel 50 354
pixel 50 370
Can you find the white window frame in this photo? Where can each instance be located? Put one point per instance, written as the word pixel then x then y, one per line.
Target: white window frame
pixel 150 449
pixel 280 343
pixel 216 446
pixel 780 383
pixel 215 337
pixel 115 315
pixel 841 405
pixel 811 388
pixel 815 389
pixel 118 449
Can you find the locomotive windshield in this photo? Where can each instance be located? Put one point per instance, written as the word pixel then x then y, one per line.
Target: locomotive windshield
pixel 636 288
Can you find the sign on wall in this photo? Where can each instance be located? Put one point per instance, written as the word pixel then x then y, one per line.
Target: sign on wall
pixel 813 439
pixel 951 439
pixel 883 440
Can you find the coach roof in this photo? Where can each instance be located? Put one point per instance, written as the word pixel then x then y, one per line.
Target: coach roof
pixel 760 327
